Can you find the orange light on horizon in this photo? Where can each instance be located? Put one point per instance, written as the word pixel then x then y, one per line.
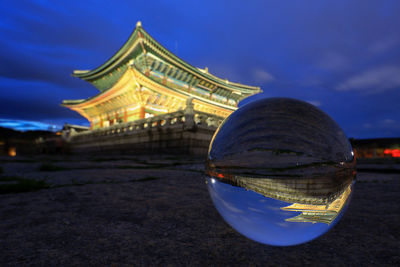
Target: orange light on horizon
pixel 394 152
pixel 12 151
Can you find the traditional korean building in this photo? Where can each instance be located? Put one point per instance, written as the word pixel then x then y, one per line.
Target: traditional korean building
pixel 319 198
pixel 319 213
pixel 313 185
pixel 143 79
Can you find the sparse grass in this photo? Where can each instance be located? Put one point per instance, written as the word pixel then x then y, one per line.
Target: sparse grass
pixel 14 184
pixel 48 167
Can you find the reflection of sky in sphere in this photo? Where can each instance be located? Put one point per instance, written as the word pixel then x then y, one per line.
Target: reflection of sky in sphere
pixel 260 218
pixel 280 171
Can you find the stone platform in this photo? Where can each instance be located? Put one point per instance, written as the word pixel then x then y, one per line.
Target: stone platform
pixel 183 132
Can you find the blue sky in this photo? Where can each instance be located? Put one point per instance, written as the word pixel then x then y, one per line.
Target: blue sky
pixel 342 55
pixel 261 218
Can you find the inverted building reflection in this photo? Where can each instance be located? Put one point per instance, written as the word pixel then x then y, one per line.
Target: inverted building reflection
pixel 319 213
pixel 320 196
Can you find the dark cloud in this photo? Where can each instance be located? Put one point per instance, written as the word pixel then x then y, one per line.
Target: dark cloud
pixel 342 55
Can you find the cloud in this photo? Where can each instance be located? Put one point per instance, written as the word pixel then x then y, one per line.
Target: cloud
pixel 256 210
pixel 367 125
pixel 388 122
pixel 373 81
pixel 384 45
pixel 22 125
pixel 262 76
pixel 333 61
pixel 35 100
pixel 310 82
pixel 315 103
pixel 381 127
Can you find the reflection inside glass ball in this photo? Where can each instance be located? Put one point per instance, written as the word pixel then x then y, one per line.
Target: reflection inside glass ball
pixel 280 171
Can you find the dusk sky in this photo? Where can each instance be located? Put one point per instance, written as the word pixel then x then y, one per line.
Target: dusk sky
pixel 342 56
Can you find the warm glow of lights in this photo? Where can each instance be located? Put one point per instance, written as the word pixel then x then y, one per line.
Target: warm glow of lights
pixel 394 152
pixel 135 86
pixel 220 175
pixel 311 209
pixel 158 109
pixel 58 133
pixel 12 151
pixel 134 108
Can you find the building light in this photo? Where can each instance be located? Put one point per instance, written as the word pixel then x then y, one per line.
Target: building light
pixel 12 151
pixel 158 109
pixel 134 108
pixel 393 152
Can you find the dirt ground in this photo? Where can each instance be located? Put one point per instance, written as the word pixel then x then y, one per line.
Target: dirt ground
pixel 145 211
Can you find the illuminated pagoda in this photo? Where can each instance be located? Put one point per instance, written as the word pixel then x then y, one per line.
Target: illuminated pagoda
pixel 319 198
pixel 293 185
pixel 143 79
pixel 319 213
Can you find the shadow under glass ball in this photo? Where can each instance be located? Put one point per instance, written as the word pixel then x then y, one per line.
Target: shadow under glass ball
pixel 280 171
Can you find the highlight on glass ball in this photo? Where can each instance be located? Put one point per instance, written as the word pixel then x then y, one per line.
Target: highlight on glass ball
pixel 280 171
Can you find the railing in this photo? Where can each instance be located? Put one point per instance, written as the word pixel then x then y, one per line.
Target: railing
pixel 187 118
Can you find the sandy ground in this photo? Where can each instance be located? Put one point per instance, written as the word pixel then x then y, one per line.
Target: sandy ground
pixel 143 211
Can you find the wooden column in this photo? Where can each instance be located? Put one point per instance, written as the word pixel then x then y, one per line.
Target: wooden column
pixel 142 113
pixel 109 121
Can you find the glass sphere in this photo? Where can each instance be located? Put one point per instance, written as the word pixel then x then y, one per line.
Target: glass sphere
pixel 280 171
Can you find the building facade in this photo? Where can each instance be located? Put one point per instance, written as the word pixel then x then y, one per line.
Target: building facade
pixel 143 79
pixel 146 93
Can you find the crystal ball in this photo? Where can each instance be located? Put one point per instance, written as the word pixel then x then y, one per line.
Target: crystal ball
pixel 280 171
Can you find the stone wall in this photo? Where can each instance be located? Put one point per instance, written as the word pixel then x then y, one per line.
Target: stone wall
pixel 182 132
